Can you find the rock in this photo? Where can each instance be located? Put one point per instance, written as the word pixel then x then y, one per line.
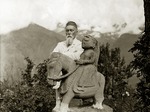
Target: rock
pixel 90 109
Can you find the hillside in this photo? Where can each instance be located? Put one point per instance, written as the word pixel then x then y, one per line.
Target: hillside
pixel 32 41
pixel 125 43
pixel 103 38
pixel 37 42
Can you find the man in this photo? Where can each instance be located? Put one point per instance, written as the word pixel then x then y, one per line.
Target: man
pixel 71 46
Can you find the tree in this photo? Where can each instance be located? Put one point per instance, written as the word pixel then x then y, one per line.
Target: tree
pixel 116 73
pixel 32 94
pixel 141 63
pixel 115 70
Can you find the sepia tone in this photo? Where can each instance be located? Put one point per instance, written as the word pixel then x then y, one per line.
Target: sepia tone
pixel 123 63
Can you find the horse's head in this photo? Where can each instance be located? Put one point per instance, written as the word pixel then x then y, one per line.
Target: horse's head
pixel 54 67
pixel 59 63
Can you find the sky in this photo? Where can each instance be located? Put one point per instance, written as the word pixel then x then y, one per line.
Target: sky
pixel 102 15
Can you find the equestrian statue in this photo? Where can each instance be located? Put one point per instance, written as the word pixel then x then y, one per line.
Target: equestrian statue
pixel 79 79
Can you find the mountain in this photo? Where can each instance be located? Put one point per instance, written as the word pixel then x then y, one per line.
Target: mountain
pixel 125 43
pixel 33 41
pixel 103 38
pixel 36 42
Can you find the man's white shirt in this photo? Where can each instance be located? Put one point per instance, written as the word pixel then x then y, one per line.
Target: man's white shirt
pixel 73 51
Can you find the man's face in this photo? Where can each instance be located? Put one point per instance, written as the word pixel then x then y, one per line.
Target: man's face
pixel 71 33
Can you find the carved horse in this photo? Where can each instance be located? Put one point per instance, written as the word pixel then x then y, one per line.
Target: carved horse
pixel 69 89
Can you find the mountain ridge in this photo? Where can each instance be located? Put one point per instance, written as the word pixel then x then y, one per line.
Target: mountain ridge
pixel 36 42
pixel 33 41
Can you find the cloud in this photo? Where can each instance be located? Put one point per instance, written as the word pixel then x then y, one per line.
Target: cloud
pixel 102 14
pixel 14 14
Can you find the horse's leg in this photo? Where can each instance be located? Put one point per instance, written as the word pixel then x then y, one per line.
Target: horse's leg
pixel 66 100
pixel 99 96
pixel 58 101
pixel 98 100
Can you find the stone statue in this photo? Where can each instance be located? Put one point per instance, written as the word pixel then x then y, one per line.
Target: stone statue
pixel 81 78
pixel 88 61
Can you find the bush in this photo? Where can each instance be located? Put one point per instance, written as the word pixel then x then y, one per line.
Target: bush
pixel 116 73
pixel 32 94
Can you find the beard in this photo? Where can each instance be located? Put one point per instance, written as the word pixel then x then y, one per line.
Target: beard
pixel 69 40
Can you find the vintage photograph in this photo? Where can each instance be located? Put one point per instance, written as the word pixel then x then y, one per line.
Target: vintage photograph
pixel 74 55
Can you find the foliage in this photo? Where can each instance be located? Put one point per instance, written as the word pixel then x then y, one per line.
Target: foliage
pixel 32 94
pixel 123 104
pixel 116 73
pixel 141 63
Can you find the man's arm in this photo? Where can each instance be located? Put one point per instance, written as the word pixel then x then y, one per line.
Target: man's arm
pixel 57 48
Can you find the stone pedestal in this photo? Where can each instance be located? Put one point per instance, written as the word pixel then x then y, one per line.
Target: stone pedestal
pixel 90 109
